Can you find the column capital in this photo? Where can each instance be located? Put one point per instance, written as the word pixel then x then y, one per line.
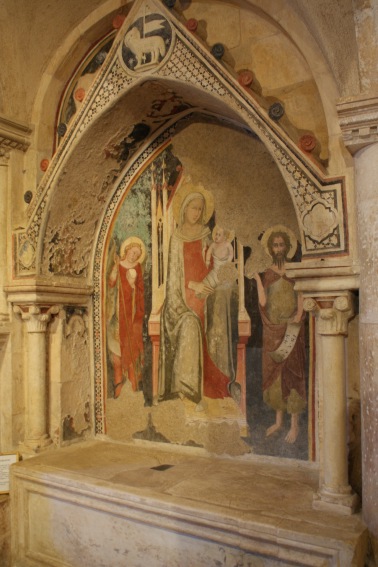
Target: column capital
pixel 358 117
pixel 36 316
pixel 332 312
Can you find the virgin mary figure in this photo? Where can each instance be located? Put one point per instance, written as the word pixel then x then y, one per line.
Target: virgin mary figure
pixel 185 366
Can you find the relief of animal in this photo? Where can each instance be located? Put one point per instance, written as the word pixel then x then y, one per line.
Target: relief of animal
pixel 142 47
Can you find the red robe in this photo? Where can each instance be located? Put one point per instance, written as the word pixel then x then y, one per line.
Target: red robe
pixel 131 313
pixel 215 382
pixel 293 367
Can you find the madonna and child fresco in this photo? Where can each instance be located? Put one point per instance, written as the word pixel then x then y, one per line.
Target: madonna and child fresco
pixel 196 351
pixel 169 261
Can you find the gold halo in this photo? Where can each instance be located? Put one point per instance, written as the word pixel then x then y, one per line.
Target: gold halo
pixel 280 228
pixel 138 242
pixel 184 191
pixel 231 233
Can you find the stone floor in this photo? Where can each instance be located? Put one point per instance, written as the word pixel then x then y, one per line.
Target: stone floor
pixel 262 507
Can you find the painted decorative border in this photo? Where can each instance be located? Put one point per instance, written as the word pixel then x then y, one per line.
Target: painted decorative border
pixel 99 339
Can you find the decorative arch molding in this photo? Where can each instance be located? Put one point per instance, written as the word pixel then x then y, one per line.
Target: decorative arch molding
pixel 284 17
pixel 91 27
pixel 319 202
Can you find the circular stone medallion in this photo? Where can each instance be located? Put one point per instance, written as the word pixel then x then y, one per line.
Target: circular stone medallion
pixel 146 43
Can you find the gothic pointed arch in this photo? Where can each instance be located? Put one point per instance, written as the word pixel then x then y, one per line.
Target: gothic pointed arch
pixel 172 56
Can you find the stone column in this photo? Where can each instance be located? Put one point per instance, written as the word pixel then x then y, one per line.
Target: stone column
pixel 4 160
pixel 5 366
pixel 332 316
pixel 359 124
pixel 367 195
pixel 37 319
pixel 14 136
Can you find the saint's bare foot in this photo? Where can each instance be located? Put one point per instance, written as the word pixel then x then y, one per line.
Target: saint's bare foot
pixel 291 437
pixel 277 426
pixel 272 429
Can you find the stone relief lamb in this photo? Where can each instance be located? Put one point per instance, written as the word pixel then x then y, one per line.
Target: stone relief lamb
pixel 149 49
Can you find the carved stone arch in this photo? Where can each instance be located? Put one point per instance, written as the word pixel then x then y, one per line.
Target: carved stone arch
pixel 77 200
pixel 319 201
pixel 78 41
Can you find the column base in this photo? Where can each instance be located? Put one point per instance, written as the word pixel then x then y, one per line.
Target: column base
pixel 35 446
pixel 345 503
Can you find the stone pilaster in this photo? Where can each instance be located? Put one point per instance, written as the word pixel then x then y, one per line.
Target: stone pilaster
pixel 359 124
pixel 4 161
pixel 36 319
pixel 367 210
pixel 332 315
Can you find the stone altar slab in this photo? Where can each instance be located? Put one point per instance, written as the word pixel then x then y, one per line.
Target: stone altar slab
pixel 103 504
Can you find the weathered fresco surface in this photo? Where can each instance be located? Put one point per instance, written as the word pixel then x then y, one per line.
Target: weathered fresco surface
pixel 195 302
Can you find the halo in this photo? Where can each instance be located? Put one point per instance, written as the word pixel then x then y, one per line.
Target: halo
pixel 280 228
pixel 184 191
pixel 138 242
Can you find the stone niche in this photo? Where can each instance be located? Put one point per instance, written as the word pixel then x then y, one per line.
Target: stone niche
pixel 149 227
pixel 155 127
pixel 242 178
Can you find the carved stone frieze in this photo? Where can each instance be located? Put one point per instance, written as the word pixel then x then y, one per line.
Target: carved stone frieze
pixel 358 118
pixel 13 135
pixel 77 325
pixel 4 155
pixel 332 313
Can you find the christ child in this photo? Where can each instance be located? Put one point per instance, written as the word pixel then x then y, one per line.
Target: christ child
pixel 220 250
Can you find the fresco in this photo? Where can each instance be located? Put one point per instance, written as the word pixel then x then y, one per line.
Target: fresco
pixel 128 275
pixel 202 331
pixel 125 327
pixel 196 340
pixel 279 365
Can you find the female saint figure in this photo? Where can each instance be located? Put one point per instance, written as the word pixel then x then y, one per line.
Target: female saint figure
pixel 125 329
pixel 185 366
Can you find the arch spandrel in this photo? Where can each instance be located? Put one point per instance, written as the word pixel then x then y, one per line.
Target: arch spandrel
pixel 319 202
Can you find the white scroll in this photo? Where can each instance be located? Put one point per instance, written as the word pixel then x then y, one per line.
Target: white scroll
pixel 288 342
